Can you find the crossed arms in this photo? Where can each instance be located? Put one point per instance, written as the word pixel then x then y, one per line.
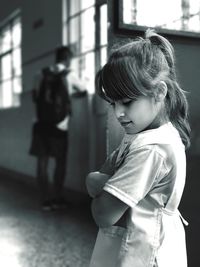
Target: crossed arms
pixel 107 210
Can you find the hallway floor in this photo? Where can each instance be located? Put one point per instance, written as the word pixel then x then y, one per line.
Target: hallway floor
pixel 30 237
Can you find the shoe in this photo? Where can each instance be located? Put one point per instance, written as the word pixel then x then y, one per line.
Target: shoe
pixel 47 205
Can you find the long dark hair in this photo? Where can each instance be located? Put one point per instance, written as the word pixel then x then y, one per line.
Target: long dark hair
pixel 136 68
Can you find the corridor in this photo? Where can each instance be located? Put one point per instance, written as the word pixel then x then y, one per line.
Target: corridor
pixel 31 237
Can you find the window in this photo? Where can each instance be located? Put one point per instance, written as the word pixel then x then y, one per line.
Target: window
pixel 175 15
pixel 86 25
pixel 103 34
pixel 10 62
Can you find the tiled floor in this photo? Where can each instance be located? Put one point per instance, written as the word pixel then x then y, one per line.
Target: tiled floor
pixel 30 237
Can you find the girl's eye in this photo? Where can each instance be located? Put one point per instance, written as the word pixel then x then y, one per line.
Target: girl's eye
pixel 112 103
pixel 126 103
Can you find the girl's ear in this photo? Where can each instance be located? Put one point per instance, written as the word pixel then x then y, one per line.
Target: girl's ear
pixel 161 91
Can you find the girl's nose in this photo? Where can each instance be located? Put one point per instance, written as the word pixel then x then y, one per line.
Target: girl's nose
pixel 119 110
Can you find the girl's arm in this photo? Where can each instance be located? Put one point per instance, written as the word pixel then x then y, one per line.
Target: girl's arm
pixel 137 175
pixel 107 210
pixel 95 182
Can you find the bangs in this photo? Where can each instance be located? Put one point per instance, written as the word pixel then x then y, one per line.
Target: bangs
pixel 117 80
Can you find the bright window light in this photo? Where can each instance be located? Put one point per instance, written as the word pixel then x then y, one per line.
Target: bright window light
pixel 182 15
pixel 10 62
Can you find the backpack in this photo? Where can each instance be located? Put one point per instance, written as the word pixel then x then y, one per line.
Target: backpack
pixel 53 102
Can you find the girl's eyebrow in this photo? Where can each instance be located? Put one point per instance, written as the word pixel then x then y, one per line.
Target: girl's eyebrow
pixel 127 100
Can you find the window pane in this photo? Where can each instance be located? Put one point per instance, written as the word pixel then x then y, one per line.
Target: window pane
pixel 103 56
pixel 78 5
pixel 16 33
pixel 74 7
pixel 5 40
pixel 86 4
pixel 82 38
pixel 175 15
pixel 88 30
pixel 7 94
pixel 6 67
pixel 74 30
pixel 88 72
pixel 103 23
pixel 17 62
pixel 17 85
pixel 75 65
pixel 10 63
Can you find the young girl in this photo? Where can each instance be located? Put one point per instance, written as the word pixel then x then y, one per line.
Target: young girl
pixel 137 192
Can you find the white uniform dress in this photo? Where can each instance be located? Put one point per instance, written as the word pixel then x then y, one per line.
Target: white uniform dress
pixel 150 179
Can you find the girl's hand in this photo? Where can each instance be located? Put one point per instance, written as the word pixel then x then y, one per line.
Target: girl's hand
pixel 95 182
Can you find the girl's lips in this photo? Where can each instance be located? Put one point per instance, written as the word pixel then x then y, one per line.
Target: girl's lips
pixel 125 123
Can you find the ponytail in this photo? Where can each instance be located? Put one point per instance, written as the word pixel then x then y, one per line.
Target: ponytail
pixel 177 109
pixel 176 102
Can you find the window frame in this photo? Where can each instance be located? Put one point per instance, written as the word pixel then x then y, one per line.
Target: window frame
pixel 96 50
pixel 9 23
pixel 123 28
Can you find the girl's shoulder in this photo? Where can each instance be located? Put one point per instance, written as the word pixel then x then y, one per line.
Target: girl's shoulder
pixel 164 143
pixel 165 135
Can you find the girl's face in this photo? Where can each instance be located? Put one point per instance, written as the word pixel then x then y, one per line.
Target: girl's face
pixel 137 115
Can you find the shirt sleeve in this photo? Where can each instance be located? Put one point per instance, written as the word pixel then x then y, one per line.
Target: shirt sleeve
pixel 74 83
pixel 136 176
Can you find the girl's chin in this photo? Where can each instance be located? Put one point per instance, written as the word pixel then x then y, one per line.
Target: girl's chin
pixel 131 131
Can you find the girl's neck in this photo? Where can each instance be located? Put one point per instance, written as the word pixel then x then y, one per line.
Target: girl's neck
pixel 156 123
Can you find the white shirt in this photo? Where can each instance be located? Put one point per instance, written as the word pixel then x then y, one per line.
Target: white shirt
pixel 150 179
